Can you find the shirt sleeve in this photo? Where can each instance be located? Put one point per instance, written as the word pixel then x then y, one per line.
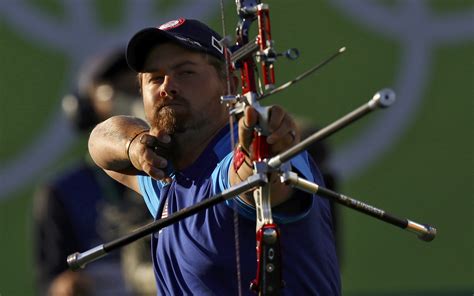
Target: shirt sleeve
pixel 299 163
pixel 150 191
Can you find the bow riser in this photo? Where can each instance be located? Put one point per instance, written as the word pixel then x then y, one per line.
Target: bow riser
pixel 268 279
pixel 265 42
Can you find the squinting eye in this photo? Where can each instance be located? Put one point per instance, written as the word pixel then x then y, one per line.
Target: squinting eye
pixel 156 79
pixel 186 73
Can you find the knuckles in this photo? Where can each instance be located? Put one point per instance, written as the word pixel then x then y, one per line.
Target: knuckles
pixel 282 128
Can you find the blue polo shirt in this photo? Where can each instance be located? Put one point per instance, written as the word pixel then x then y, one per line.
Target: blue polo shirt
pixel 196 256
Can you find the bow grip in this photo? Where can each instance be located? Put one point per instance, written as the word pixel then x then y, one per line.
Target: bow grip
pixel 261 149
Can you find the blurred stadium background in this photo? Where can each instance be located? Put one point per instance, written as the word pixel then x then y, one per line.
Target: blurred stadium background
pixel 414 160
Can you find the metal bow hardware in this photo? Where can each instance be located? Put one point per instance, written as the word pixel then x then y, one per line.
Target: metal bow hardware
pixel 245 55
pixel 249 56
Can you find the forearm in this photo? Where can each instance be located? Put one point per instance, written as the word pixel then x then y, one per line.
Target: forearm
pixel 108 141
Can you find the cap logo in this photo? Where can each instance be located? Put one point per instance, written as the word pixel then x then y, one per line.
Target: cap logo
pixel 172 24
pixel 216 44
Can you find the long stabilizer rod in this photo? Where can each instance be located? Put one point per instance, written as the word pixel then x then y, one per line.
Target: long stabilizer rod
pixel 382 99
pixel 80 260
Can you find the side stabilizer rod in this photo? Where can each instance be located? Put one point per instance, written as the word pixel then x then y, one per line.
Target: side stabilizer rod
pixel 424 232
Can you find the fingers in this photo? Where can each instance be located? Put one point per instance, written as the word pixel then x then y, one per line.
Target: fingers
pixel 145 155
pixel 246 127
pixel 155 138
pixel 283 132
pixel 278 124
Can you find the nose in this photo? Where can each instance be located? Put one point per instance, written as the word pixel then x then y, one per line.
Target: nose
pixel 168 88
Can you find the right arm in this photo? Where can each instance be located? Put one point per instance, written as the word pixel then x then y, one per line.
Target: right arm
pixel 108 148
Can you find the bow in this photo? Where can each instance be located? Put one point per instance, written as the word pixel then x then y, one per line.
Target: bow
pixel 246 55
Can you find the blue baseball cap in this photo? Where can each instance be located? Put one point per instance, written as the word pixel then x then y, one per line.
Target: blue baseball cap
pixel 189 33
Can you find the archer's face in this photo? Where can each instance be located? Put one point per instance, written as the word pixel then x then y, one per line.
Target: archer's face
pixel 181 90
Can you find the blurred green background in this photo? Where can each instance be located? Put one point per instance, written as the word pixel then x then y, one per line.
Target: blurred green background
pixel 425 174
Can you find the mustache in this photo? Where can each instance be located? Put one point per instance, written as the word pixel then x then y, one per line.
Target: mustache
pixel 169 101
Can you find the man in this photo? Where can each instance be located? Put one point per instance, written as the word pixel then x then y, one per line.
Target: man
pixel 183 156
pixel 81 206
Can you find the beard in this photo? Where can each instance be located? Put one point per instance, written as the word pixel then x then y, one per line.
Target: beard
pixel 169 120
pixel 165 120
